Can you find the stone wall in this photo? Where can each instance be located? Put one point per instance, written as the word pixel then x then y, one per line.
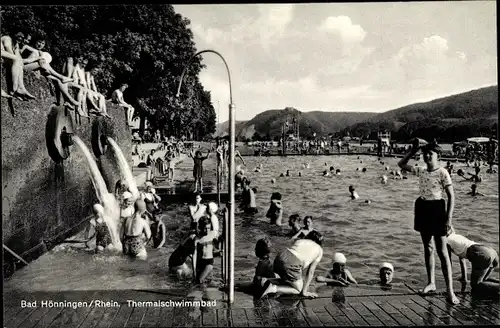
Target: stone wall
pixel 43 200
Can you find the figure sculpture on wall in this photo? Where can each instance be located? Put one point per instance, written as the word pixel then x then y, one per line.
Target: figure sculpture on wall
pixel 11 51
pixel 117 98
pixel 47 71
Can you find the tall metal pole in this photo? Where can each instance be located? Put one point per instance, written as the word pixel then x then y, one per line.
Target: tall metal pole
pixel 230 205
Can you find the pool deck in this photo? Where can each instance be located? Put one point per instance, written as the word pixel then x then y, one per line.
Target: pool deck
pixel 335 306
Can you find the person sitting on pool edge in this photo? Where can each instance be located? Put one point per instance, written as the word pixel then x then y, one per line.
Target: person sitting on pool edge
pixel 177 262
pixel 483 260
pixel 290 264
pixel 339 275
pixel 248 203
pixel 203 257
pixel 275 211
pixel 294 223
pixel 308 227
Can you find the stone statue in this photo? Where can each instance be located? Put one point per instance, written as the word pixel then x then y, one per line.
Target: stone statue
pixel 117 98
pixel 47 70
pixel 11 52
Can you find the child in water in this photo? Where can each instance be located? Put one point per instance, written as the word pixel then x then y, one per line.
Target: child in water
pixel 203 257
pixel 275 212
pixel 386 274
pixel 354 194
pixel 433 216
pixel 198 159
pixel 294 223
pixel 308 227
pixel 248 203
pixel 264 269
pixel 102 234
pixel 339 275
pixel 177 261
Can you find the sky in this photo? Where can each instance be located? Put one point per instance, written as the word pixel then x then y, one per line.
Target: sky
pixel 369 57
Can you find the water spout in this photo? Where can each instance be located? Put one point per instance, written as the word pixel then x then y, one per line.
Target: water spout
pixel 125 171
pixel 108 200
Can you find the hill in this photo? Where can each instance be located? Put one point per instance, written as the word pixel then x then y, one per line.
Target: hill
pixel 269 123
pixel 451 118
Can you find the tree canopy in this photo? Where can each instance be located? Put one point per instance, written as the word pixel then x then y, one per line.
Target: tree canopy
pixel 145 46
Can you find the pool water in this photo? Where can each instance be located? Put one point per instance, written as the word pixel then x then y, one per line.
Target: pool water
pixel 367 234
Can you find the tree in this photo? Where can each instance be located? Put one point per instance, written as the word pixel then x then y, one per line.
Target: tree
pixel 146 46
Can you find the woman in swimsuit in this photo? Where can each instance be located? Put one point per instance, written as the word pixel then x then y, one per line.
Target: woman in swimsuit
pixel 151 199
pixel 196 211
pixel 133 230
pixel 203 257
pixel 101 230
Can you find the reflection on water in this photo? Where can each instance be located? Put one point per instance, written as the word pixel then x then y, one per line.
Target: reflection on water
pixel 368 234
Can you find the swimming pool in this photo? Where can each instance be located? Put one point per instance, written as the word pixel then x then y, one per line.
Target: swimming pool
pixel 367 234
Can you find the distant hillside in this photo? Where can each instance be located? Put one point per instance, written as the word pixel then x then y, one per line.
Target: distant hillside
pixel 269 123
pixel 451 118
pixel 223 128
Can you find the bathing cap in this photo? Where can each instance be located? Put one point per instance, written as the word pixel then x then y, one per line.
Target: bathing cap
pixel 127 195
pixel 98 208
pixel 140 205
pixel 213 207
pixel 387 265
pixel 148 184
pixel 339 258
pixel 273 180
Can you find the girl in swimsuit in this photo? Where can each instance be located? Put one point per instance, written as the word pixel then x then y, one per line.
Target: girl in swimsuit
pixel 308 227
pixel 101 230
pixel 198 159
pixel 133 230
pixel 151 199
pixel 203 257
pixel 196 211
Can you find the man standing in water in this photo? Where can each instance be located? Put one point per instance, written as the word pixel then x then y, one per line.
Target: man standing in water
pixel 133 230
pixel 302 257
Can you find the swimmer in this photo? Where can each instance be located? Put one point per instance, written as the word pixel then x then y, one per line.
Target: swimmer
pixel 364 170
pixel 477 177
pixel 275 211
pixel 158 232
pixel 258 168
pixel 387 168
pixel 358 169
pixel 308 227
pixel 339 275
pixel 196 211
pixel 384 179
pixel 326 173
pixel 248 203
pixel 294 223
pixel 287 173
pixel 474 191
pixel 102 234
pixel 177 260
pixel 331 169
pixel 282 175
pixel 264 269
pixel 133 230
pixel 337 172
pixel 354 194
pixel 300 174
pixel 386 274
pixel 483 260
pixel 273 180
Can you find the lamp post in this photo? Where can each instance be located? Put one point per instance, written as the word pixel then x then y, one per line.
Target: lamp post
pixel 230 205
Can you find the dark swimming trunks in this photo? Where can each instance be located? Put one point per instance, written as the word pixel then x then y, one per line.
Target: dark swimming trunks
pixel 132 245
pixel 430 217
pixel 288 266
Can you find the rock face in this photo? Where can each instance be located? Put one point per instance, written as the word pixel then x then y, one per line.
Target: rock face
pixel 43 200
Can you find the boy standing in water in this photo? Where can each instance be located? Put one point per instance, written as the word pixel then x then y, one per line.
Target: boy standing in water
pixel 198 159
pixel 339 275
pixel 433 217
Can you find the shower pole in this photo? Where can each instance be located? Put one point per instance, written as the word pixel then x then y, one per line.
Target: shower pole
pixel 230 240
